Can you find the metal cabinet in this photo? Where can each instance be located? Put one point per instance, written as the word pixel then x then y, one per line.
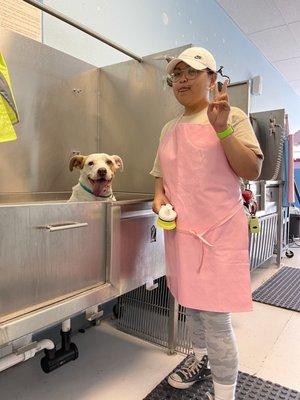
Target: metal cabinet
pixel 135 249
pixel 49 252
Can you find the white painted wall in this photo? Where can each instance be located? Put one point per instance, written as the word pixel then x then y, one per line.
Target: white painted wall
pixel 148 26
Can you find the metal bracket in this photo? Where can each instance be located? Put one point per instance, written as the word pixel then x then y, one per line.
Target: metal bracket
pixel 93 313
pixel 24 349
pixel 150 285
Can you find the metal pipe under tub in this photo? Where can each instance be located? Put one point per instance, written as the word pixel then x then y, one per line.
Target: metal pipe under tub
pixel 25 353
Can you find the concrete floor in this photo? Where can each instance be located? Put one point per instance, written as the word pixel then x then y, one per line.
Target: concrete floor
pixel 113 365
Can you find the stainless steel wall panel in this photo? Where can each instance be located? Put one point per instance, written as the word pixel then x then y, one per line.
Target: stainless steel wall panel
pixel 57 98
pixel 270 143
pixel 135 103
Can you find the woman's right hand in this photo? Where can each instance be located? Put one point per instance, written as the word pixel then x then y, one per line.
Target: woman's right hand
pixel 159 200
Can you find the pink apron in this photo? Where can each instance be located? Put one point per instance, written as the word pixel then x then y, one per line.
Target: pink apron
pixel 207 254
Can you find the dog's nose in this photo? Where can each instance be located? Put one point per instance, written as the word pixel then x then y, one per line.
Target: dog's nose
pixel 101 171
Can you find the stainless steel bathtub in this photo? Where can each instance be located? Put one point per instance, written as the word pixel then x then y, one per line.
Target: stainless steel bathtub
pixel 60 258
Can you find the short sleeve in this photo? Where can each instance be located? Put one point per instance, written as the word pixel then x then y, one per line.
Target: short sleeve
pixel 244 132
pixel 156 170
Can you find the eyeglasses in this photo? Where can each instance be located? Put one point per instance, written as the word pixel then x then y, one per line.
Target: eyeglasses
pixel 190 73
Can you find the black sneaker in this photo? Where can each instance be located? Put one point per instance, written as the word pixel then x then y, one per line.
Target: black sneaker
pixel 190 372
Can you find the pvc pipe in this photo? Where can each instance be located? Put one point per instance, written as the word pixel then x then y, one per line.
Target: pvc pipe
pixel 9 361
pixel 13 359
pixel 66 325
pixel 82 28
pixel 45 344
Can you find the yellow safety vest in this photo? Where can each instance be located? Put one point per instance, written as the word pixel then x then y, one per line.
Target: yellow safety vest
pixel 8 109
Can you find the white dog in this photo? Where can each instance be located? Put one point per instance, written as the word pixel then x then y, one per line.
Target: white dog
pixel 96 174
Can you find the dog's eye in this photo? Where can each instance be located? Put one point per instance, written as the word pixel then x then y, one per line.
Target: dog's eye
pixel 91 163
pixel 109 162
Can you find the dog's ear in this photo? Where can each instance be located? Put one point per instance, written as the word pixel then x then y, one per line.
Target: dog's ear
pixel 77 162
pixel 118 162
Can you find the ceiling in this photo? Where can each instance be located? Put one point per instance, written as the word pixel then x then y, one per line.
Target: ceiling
pixel 274 28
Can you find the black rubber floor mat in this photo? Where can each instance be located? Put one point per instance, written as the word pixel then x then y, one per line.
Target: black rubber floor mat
pixel 281 290
pixel 249 387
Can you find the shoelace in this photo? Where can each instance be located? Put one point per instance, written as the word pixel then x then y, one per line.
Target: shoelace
pixel 191 367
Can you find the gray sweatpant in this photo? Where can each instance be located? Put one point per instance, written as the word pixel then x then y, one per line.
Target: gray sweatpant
pixel 213 331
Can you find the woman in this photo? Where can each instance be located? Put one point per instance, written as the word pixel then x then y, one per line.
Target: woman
pixel 201 157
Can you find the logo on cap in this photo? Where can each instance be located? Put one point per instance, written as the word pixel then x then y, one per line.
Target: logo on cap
pixel 198 57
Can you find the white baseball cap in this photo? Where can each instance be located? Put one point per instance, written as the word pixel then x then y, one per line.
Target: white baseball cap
pixel 197 57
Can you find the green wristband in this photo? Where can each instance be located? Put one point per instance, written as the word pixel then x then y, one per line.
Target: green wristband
pixel 228 131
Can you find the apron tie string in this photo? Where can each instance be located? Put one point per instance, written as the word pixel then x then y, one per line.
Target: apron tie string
pixel 202 247
pixel 200 236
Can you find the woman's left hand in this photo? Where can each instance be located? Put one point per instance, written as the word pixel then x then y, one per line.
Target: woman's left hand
pixel 219 108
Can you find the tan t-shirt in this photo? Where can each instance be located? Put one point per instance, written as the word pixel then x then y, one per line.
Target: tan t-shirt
pixel 237 118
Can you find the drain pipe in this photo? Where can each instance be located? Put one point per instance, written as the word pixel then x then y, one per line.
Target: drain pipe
pixel 66 325
pixel 68 352
pixel 25 353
